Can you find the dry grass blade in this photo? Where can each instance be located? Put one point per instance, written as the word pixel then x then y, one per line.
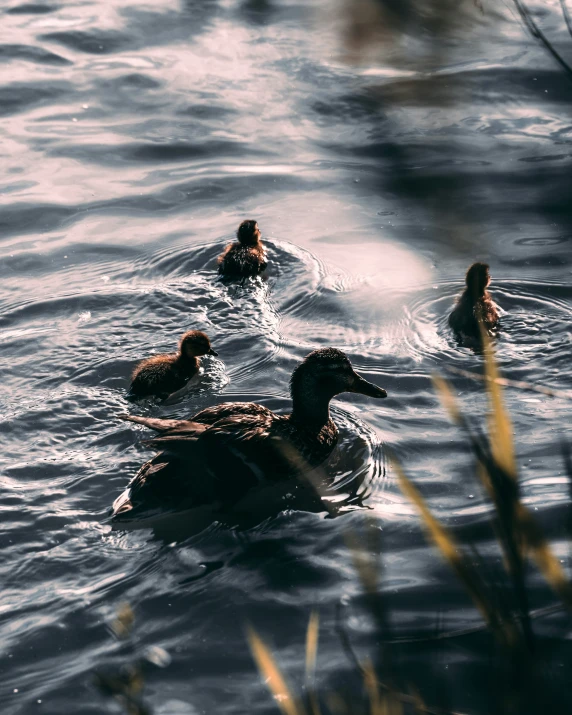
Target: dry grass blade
pixel 371 685
pixel 503 454
pixel 543 555
pixel 418 702
pixel 312 643
pixel 506 382
pixel 500 426
pixel 363 565
pixel 123 623
pixel 271 673
pixel 447 398
pixel 311 653
pixel 387 704
pixel 451 552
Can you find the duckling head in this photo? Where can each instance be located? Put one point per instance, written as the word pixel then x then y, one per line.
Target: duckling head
pixel 477 279
pixel 248 233
pixel 195 343
pixel 328 372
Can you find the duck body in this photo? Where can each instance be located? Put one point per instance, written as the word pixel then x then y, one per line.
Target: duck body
pixel 222 452
pixel 475 307
pixel 240 261
pixel 163 375
pixel 464 320
pixel 247 256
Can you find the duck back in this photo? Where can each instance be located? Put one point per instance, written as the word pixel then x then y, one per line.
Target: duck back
pixel 242 261
pixel 221 454
pixel 465 317
pixel 160 376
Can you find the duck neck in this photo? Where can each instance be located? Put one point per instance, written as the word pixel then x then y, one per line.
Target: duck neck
pixel 188 362
pixel 252 242
pixel 311 407
pixel 474 295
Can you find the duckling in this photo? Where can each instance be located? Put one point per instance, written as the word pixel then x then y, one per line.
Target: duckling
pixel 166 375
pixel 247 256
pixel 474 304
pixel 219 454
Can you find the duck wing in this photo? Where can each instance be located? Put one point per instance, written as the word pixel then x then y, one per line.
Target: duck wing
pixel 212 415
pixel 218 459
pixel 159 425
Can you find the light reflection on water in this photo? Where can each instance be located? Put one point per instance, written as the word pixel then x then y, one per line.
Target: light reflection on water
pixel 135 138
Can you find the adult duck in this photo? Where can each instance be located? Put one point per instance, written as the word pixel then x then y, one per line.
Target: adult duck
pixel 222 452
pixel 475 306
pixel 246 256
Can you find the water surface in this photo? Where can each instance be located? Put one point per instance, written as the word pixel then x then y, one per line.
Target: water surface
pixel 135 137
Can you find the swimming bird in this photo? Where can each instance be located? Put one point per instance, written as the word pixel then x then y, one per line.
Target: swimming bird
pixel 245 257
pixel 220 453
pixel 165 375
pixel 475 304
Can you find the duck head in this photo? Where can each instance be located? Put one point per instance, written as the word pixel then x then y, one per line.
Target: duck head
pixel 248 233
pixel 195 343
pixel 322 375
pixel 477 279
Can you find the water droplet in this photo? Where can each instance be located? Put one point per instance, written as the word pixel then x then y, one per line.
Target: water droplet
pixel 15 690
pixel 471 496
pixel 85 106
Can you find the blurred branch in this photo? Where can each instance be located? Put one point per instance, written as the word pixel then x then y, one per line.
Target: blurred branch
pixel 537 33
pixel 566 15
pixel 506 382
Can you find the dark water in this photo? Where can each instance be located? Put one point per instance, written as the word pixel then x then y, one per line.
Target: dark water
pixel 135 137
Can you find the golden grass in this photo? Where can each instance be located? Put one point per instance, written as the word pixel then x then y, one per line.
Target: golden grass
pixel 270 672
pixel 504 607
pixel 500 425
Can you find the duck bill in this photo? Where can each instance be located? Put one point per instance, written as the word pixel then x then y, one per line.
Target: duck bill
pixel 363 387
pixel 212 352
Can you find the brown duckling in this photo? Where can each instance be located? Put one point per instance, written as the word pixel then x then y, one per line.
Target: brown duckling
pixel 475 304
pixel 245 257
pixel 163 375
pixel 219 454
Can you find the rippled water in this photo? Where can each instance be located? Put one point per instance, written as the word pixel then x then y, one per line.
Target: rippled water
pixel 135 137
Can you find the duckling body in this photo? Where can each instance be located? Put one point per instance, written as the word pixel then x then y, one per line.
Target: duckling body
pixel 247 256
pixel 163 375
pixel 475 304
pixel 222 452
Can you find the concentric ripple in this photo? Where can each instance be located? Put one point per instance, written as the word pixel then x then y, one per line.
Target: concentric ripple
pixel 535 320
pixel 135 138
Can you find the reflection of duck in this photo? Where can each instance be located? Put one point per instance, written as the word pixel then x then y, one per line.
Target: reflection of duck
pixel 475 304
pixel 223 451
pixel 163 375
pixel 247 256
